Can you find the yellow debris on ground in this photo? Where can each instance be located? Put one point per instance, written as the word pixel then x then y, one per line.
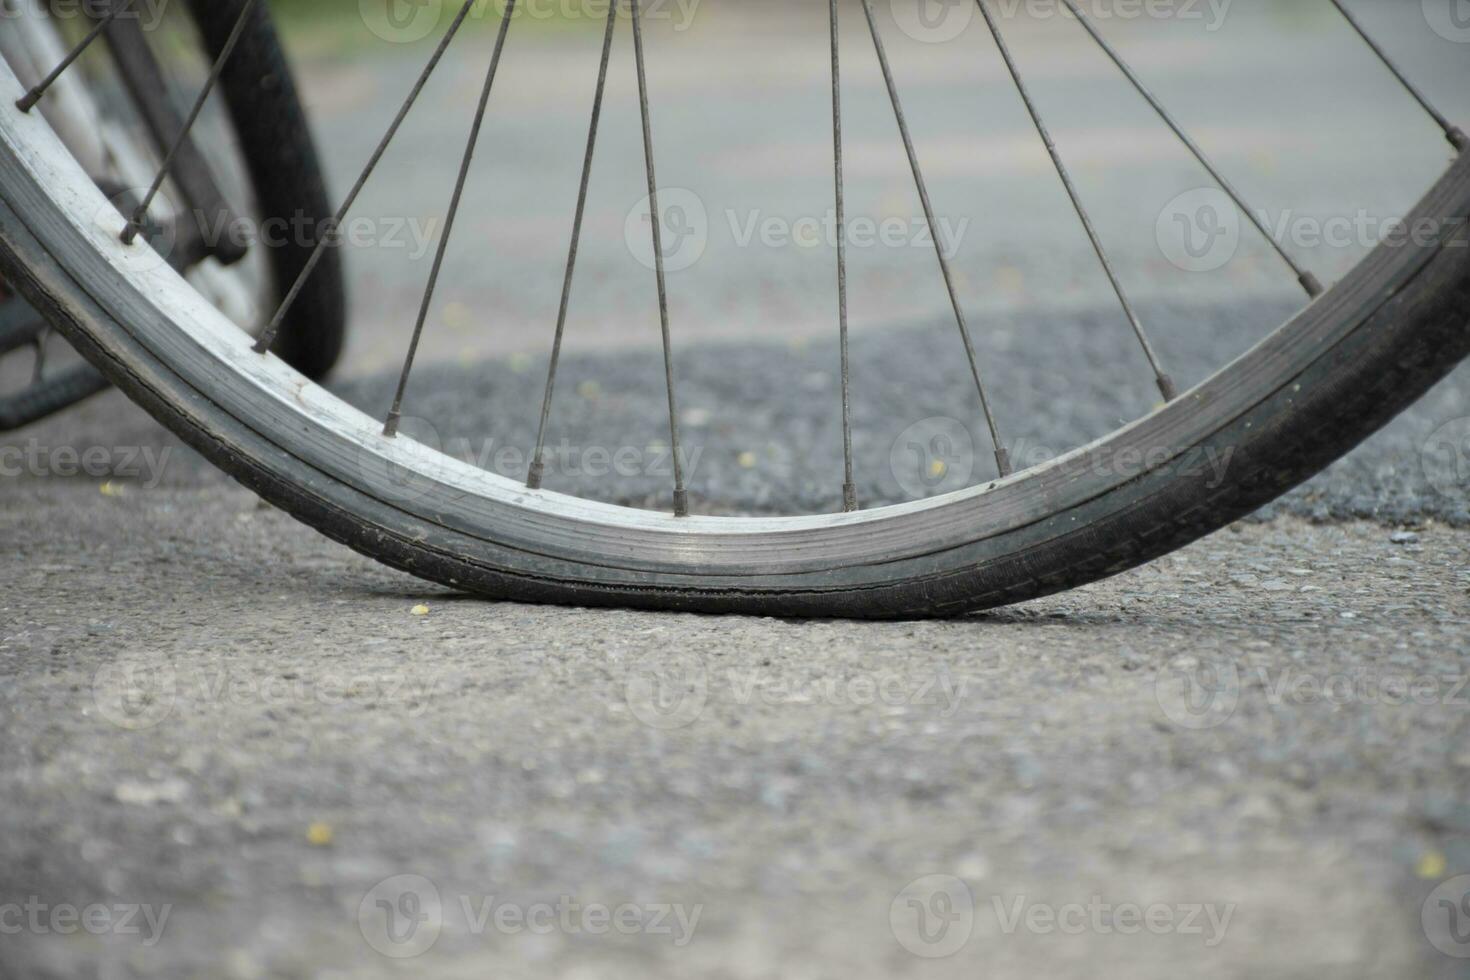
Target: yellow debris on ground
pixel 1431 865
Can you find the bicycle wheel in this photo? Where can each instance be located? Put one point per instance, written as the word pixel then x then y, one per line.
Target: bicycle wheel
pixel 249 161
pixel 284 172
pixel 1346 364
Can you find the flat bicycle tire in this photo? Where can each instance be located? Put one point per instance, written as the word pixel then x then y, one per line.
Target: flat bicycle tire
pixel 1300 399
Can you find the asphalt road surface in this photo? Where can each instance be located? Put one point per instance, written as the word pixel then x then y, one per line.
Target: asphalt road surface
pixel 233 749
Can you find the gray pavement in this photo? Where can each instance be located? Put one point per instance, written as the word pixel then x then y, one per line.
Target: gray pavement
pixel 256 754
pixel 1262 739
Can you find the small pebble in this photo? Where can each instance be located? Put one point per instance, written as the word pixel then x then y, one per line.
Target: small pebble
pixel 1431 865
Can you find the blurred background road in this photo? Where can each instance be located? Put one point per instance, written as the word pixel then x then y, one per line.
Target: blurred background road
pixel 313 728
pixel 742 125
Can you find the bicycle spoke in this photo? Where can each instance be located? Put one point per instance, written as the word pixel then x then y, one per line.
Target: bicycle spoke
pixel 390 426
pixel 28 101
pixel 681 495
pixel 1453 133
pixel 268 336
pixel 1002 457
pixel 1161 377
pixel 140 214
pixel 1308 281
pixel 849 488
pixel 538 466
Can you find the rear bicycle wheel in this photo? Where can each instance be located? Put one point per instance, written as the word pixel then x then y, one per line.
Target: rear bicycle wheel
pixel 1323 381
pixel 237 173
pixel 285 174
